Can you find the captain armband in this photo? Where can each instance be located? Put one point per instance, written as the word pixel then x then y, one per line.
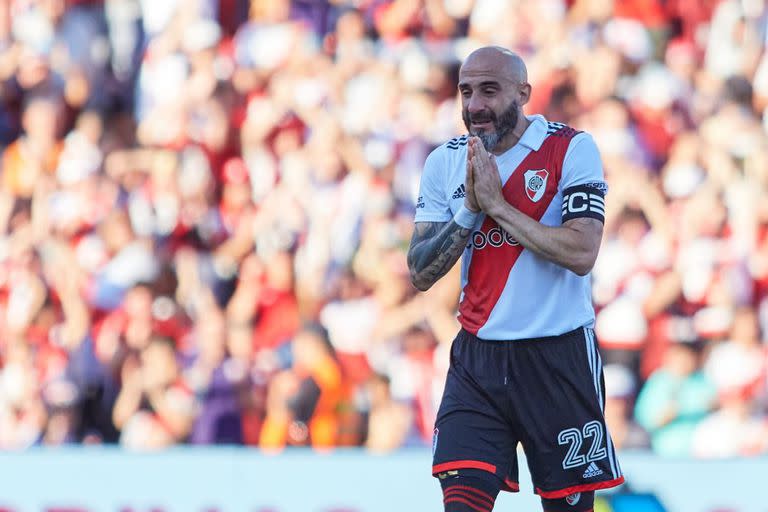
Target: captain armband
pixel 587 200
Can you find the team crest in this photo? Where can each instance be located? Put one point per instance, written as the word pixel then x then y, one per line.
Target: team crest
pixel 536 183
pixel 573 499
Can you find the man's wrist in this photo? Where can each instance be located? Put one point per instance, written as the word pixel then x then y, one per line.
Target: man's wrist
pixel 476 209
pixel 493 209
pixel 465 217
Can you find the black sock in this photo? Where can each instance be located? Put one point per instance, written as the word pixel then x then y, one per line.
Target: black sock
pixel 470 491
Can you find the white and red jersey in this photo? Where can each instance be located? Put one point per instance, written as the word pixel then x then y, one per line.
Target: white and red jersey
pixel 552 174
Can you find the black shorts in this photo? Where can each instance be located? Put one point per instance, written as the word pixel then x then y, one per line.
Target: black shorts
pixel 546 393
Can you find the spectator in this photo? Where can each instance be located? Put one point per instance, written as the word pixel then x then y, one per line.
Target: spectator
pixel 389 421
pixel 35 154
pixel 620 389
pixel 155 406
pixel 216 386
pixel 674 400
pixel 307 396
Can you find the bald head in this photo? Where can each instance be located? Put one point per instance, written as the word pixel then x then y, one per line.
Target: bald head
pixel 496 60
pixel 493 85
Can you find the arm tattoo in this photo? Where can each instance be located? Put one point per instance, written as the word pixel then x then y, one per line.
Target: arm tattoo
pixel 435 248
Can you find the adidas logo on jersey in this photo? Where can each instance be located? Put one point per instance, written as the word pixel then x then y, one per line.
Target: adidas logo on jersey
pixel 592 471
pixel 460 192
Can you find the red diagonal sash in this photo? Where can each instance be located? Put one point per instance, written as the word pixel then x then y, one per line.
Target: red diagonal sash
pixel 495 252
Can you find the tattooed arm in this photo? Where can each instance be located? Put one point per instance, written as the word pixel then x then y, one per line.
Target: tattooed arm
pixel 435 248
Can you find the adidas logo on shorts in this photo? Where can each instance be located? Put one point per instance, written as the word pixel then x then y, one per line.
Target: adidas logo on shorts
pixel 460 192
pixel 592 471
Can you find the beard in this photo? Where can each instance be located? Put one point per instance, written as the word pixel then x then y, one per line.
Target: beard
pixel 502 124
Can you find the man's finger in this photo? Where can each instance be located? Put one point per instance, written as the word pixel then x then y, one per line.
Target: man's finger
pixel 478 163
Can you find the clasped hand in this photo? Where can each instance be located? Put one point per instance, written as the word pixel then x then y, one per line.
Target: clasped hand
pixel 482 180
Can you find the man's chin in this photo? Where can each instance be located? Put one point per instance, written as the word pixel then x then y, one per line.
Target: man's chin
pixel 480 132
pixel 489 140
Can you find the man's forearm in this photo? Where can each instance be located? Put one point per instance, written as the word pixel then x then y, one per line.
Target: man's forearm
pixel 573 246
pixel 435 248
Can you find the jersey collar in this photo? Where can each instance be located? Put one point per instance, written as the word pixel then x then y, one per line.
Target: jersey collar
pixel 536 132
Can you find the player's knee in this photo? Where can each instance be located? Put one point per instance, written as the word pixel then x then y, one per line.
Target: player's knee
pixel 470 491
pixel 577 502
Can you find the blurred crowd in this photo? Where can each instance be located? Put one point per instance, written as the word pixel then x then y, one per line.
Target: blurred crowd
pixel 205 207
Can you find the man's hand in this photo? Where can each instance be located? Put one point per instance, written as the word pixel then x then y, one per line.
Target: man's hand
pixel 470 199
pixel 485 178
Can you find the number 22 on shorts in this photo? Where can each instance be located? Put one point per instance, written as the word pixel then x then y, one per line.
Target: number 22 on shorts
pixel 575 438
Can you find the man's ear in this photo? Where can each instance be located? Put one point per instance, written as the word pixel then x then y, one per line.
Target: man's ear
pixel 525 94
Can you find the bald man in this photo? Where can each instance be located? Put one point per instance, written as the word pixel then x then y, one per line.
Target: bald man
pixel 522 199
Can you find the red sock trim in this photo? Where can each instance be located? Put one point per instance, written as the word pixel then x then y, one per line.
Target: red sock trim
pixel 510 486
pixel 481 501
pixel 467 497
pixel 481 495
pixel 468 503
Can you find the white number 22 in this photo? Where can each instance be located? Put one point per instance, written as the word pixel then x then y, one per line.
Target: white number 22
pixel 575 438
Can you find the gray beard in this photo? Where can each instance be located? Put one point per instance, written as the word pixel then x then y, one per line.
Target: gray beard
pixel 503 125
pixel 489 140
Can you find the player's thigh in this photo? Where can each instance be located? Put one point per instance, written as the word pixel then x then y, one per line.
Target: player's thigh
pixel 472 430
pixel 466 438
pixel 560 407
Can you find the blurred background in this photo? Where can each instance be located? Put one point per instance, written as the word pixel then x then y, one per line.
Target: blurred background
pixel 205 207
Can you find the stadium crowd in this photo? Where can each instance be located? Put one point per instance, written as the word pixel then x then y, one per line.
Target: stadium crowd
pixel 205 207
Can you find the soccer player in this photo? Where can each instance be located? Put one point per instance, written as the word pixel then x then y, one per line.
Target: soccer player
pixel 523 200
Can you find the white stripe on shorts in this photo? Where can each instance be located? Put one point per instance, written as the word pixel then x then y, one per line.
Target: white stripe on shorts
pixel 596 366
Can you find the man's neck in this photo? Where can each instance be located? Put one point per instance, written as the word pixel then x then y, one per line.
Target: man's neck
pixel 513 137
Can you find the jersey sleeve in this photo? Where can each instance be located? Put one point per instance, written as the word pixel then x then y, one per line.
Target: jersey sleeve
pixel 582 182
pixel 432 203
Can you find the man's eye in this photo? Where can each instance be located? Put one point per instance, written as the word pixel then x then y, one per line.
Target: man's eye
pixel 489 92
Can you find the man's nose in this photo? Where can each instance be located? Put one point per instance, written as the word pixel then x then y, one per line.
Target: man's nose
pixel 475 104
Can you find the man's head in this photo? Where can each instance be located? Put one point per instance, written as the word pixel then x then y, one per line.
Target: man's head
pixel 41 118
pixel 493 83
